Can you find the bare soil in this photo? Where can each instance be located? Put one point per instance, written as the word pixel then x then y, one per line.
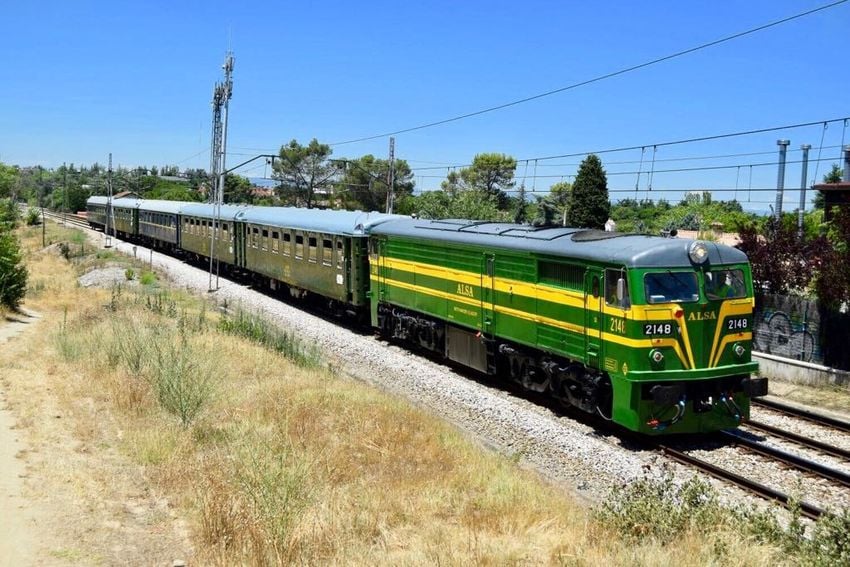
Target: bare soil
pixel 68 496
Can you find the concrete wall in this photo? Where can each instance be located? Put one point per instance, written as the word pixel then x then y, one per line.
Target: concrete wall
pixel 795 371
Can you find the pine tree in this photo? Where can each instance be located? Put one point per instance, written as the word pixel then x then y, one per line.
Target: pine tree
pixel 589 206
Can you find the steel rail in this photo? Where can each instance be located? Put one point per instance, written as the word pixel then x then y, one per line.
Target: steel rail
pixel 800 439
pixel 802 413
pixel 806 509
pixel 796 461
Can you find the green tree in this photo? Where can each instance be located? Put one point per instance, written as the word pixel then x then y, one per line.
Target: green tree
pixel 491 173
pixel 237 189
pixel 589 206
pixel 552 208
pixel 8 180
pixel 13 274
pixel 364 185
pixel 833 176
pixel 303 171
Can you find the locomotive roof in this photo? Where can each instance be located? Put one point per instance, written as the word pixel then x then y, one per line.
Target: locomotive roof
pixel 317 220
pixel 622 249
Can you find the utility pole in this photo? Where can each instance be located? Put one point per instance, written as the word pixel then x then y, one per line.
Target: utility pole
pixel 221 103
pixel 65 190
pixel 41 202
pixel 805 148
pixel 391 178
pixel 780 180
pixel 109 215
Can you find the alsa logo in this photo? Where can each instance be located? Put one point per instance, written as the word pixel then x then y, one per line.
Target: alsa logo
pixel 697 316
pixel 464 289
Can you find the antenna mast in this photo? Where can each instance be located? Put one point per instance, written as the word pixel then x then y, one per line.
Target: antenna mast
pixel 221 103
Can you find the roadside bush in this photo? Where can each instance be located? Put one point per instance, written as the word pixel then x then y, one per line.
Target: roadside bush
pixel 147 278
pixel 181 382
pixel 13 274
pixel 661 510
pixel 33 217
pixel 9 214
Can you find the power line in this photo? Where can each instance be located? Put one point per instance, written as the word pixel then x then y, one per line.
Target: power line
pixel 598 78
pixel 676 142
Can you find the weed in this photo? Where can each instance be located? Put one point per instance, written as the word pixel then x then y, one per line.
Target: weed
pixel 129 274
pixel 660 509
pixel 67 345
pixel 182 384
pixel 259 330
pixel 147 278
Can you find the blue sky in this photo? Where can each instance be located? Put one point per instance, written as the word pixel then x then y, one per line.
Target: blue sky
pixel 82 79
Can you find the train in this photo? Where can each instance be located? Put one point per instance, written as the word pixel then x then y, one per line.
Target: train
pixel 652 333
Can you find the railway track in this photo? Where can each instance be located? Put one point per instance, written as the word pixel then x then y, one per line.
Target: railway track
pixel 807 509
pixel 67 218
pixel 801 413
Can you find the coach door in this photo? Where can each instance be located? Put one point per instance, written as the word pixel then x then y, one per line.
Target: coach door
pixel 593 316
pixel 237 240
pixel 488 277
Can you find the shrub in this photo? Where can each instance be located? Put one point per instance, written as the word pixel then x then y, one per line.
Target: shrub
pixel 13 274
pixel 181 382
pixel 33 216
pixel 129 273
pixel 147 278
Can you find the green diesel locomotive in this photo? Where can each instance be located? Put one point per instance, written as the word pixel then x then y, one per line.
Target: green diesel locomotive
pixel 652 333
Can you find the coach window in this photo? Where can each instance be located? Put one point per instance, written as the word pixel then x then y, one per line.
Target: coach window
pixel 313 249
pixel 340 253
pixel 287 243
pixel 299 246
pixel 255 237
pixel 327 252
pixel 617 289
pixel 265 239
pixel 275 242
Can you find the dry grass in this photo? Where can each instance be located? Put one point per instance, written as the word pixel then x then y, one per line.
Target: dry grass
pixel 279 463
pixel 833 398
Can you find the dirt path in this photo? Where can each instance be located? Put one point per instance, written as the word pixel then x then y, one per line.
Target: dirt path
pixel 18 515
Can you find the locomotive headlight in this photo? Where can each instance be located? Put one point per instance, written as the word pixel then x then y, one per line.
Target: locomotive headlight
pixel 698 252
pixel 739 350
pixel 656 356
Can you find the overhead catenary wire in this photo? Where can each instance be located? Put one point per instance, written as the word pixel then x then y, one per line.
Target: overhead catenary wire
pixel 598 78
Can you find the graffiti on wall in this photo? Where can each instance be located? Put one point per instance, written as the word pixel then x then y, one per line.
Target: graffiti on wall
pixel 789 327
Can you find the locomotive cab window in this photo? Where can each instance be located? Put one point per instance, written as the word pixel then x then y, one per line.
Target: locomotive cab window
pixel 671 287
pixel 725 284
pixel 617 289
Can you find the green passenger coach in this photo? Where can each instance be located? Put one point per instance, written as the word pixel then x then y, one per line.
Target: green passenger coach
pixel 653 333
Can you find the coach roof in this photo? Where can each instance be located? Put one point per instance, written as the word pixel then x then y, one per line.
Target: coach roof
pixel 317 220
pixel 207 211
pixel 161 206
pixel 631 250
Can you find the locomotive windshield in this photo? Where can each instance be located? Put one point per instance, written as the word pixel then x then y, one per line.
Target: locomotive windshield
pixel 671 287
pixel 725 284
